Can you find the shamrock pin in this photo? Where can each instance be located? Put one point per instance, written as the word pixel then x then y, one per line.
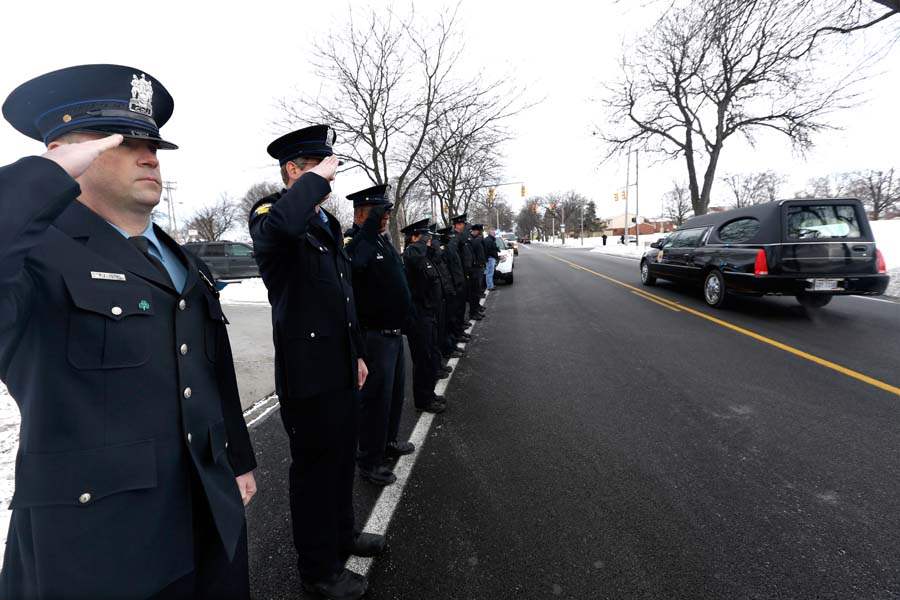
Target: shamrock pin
pixel 144 305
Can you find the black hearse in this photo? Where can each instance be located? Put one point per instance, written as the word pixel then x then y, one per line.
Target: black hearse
pixel 813 249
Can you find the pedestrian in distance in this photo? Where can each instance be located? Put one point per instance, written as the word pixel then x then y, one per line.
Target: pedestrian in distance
pixel 319 358
pixel 134 462
pixel 604 238
pixel 384 305
pixel 422 333
pixel 492 254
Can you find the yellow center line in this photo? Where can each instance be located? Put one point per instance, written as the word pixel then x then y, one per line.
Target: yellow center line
pixel 655 301
pixel 744 331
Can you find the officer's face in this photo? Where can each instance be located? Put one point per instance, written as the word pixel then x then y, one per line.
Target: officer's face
pixel 458 227
pixel 128 174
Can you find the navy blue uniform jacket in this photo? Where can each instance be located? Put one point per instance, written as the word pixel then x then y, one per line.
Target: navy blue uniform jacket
pixel 307 273
pixel 99 351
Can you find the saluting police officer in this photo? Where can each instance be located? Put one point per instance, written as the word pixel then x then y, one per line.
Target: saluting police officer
pixel 134 457
pixel 318 358
pixel 425 286
pixel 446 341
pixel 384 305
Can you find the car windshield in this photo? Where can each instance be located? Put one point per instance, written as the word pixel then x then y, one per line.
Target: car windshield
pixel 810 222
pixel 501 245
pixel 509 236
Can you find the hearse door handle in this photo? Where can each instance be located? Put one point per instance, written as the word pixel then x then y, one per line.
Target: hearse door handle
pixel 859 248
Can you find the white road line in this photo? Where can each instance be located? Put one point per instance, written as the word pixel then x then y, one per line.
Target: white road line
pixel 387 503
pixel 265 414
pixel 875 299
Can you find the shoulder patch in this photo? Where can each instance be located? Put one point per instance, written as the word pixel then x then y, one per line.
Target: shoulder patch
pixel 262 209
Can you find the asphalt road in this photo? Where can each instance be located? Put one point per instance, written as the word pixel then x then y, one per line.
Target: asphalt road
pixel 605 444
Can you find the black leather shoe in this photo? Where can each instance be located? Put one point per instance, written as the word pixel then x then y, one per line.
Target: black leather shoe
pixel 476 317
pixel 446 369
pixel 378 476
pixel 398 449
pixel 346 585
pixel 441 399
pixel 367 544
pixel 432 407
pixel 442 375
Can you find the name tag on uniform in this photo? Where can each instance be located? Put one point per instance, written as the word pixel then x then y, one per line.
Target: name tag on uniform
pixel 108 276
pixel 379 257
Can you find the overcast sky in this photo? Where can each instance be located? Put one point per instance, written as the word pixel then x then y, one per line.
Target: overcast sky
pixel 225 69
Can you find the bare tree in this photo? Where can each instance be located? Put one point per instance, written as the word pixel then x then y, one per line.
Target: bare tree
pixel 878 190
pixel 215 220
pixel 748 189
pixel 677 203
pixel 710 69
pixel 394 81
pixel 826 186
pixel 529 221
pixel 256 192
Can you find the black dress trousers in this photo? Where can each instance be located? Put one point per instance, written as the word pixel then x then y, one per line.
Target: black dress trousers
pixel 379 400
pixel 322 431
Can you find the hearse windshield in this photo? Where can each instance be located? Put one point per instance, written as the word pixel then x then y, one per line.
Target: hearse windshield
pixel 810 222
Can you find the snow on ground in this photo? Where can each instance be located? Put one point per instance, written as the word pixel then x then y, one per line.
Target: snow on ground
pixel 9 445
pixel 245 291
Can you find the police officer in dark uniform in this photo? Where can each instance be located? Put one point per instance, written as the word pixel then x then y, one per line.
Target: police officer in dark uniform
pixel 425 286
pixel 134 457
pixel 319 355
pixel 384 305
pixel 462 242
pixel 476 276
pixel 456 306
pixel 446 341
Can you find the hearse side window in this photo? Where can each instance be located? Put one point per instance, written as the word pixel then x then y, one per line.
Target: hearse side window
pixel 739 230
pixel 239 250
pixel 687 238
pixel 810 222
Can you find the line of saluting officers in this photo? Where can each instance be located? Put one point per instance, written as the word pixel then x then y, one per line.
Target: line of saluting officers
pixel 135 464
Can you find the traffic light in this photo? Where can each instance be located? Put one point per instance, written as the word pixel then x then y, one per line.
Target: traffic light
pixel 490 195
pixel 616 196
pixel 523 190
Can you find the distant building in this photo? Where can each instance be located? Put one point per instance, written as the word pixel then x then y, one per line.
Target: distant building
pixel 615 226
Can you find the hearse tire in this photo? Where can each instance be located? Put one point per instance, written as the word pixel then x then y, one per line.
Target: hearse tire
pixel 714 293
pixel 808 300
pixel 646 277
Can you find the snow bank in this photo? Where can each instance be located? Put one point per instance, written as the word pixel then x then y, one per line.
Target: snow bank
pixel 9 445
pixel 887 239
pixel 245 291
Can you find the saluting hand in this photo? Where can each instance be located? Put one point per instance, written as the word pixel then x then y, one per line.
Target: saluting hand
pixel 327 168
pixel 76 158
pixel 362 372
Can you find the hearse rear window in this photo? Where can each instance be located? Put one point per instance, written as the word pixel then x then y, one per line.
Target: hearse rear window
pixel 810 222
pixel 739 230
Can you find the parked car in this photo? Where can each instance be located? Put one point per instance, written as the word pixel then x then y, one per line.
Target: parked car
pixel 525 240
pixel 511 241
pixel 813 249
pixel 226 260
pixel 506 262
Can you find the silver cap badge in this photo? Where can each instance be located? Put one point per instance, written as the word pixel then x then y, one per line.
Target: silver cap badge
pixel 141 95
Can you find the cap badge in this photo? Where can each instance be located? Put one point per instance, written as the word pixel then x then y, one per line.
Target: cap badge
pixel 141 95
pixel 144 305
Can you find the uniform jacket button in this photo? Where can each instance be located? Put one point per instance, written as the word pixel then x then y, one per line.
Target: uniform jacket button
pixel 183 349
pixel 182 304
pixel 84 498
pixel 313 334
pixel 116 310
pixel 189 438
pixel 188 392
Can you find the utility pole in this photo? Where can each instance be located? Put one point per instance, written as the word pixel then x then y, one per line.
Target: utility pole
pixel 582 224
pixel 637 198
pixel 627 184
pixel 562 223
pixel 168 188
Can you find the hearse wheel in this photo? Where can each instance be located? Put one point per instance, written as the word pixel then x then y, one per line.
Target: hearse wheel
pixel 646 277
pixel 813 300
pixel 714 289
